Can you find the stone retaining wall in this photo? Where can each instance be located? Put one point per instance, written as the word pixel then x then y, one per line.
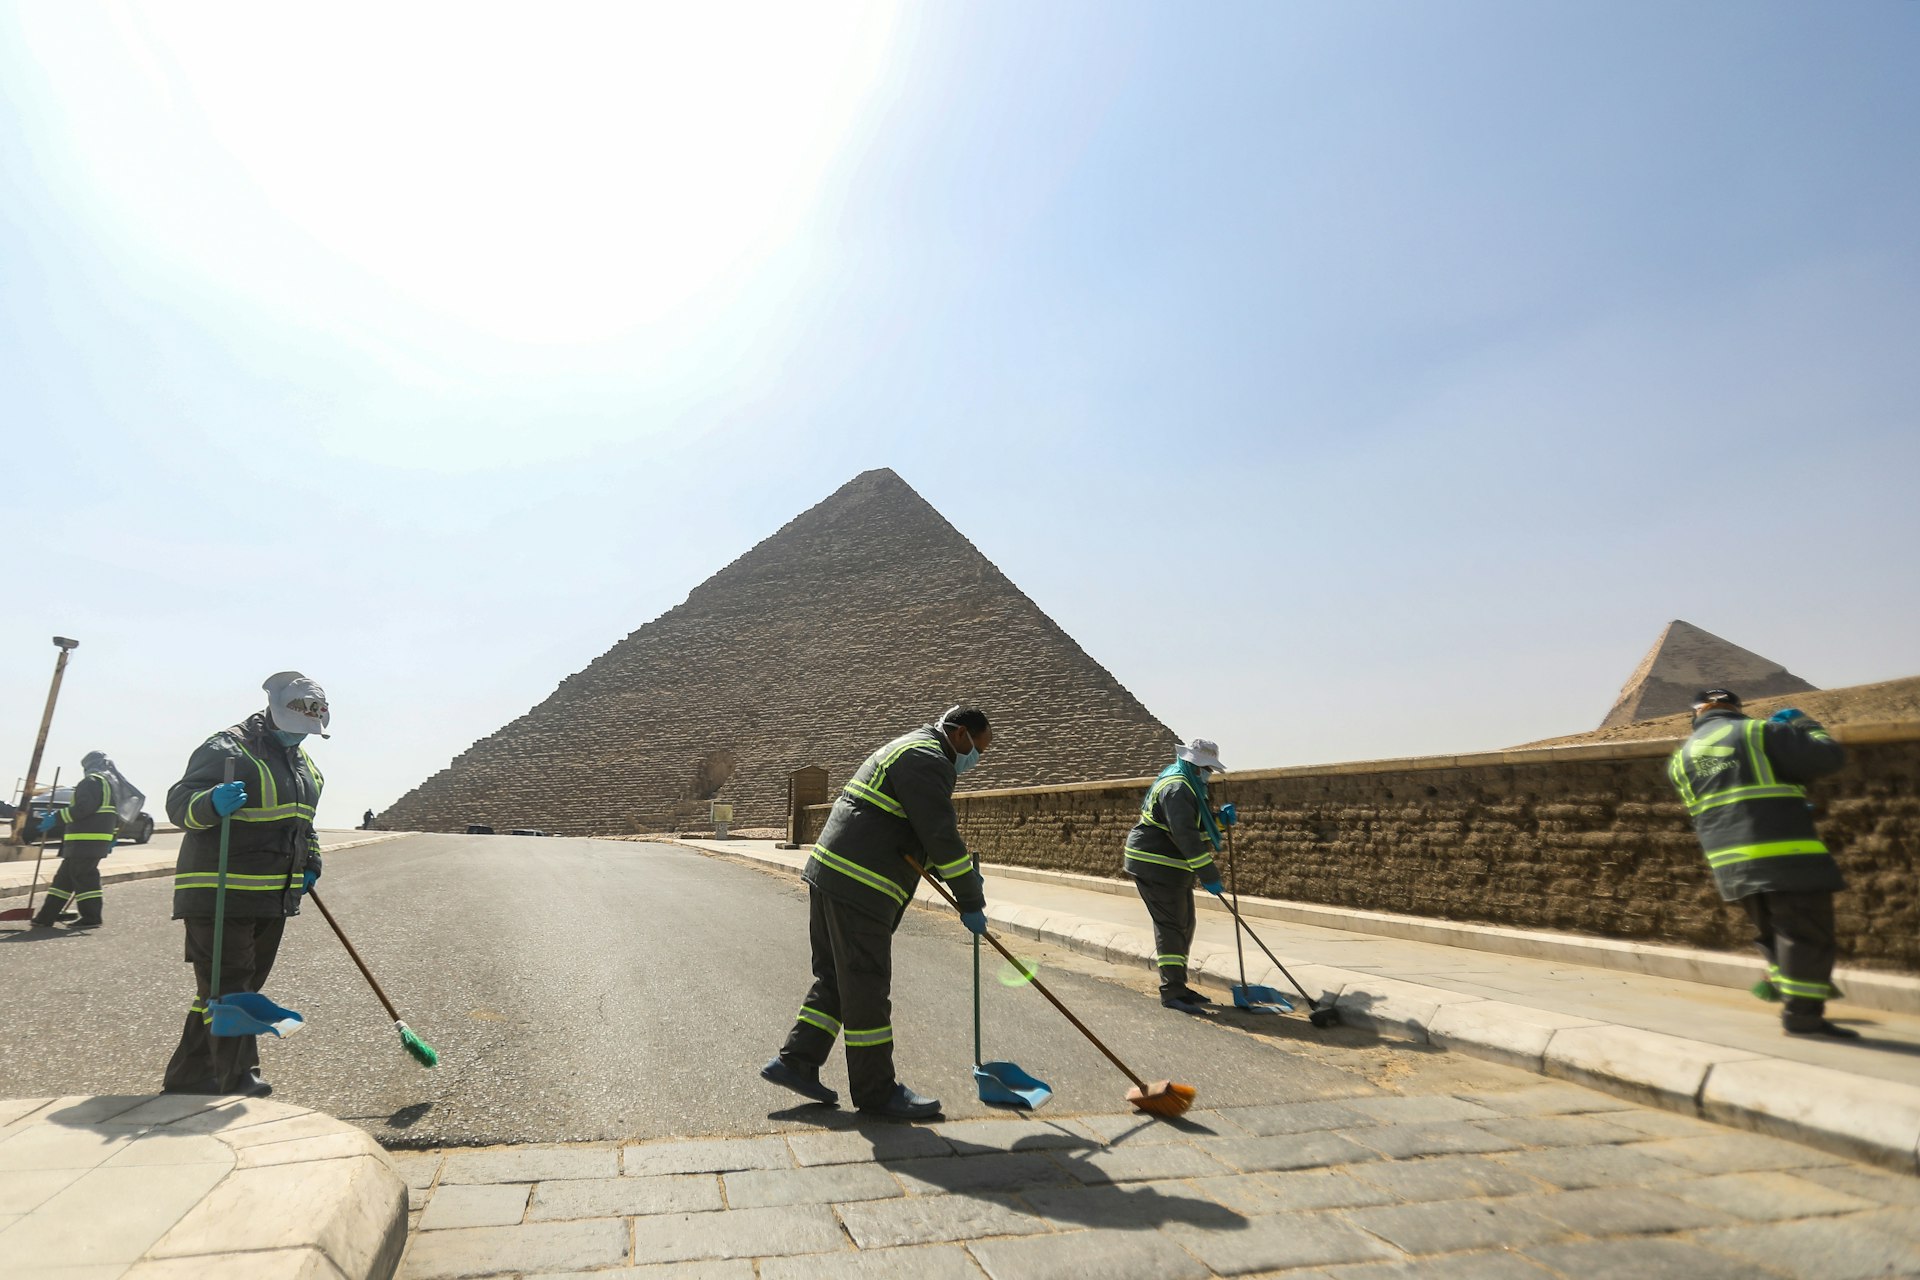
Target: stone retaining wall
pixel 1584 838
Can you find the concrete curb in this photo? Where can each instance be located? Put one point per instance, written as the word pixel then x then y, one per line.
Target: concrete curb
pixel 1867 988
pixel 165 868
pixel 216 1188
pixel 1855 1116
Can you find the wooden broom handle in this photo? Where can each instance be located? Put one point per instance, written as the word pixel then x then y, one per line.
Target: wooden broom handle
pixel 1039 986
pixel 365 972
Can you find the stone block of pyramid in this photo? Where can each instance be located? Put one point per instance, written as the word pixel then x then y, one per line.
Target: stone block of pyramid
pixel 861 618
pixel 1686 659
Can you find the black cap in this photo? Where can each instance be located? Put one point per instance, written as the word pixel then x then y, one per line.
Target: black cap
pixel 1707 696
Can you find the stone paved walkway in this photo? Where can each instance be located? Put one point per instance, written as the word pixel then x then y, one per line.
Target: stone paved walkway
pixel 1527 1180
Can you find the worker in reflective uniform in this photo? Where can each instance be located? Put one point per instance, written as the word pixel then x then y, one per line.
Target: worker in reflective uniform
pixel 898 804
pixel 273 858
pixel 85 828
pixel 1744 785
pixel 1169 848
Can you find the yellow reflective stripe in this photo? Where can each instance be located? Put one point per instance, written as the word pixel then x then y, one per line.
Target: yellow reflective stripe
pixel 854 871
pixel 279 813
pixel 195 799
pixel 72 836
pixel 1677 774
pixel 1757 753
pixel 861 791
pixel 1179 961
pixel 269 796
pixel 814 1017
pixel 1141 855
pixel 319 779
pixel 868 1038
pixel 1783 791
pixel 958 867
pixel 1773 849
pixel 91 893
pixel 61 894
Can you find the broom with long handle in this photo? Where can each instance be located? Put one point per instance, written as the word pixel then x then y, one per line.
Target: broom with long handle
pixel 419 1049
pixel 26 912
pixel 1162 1098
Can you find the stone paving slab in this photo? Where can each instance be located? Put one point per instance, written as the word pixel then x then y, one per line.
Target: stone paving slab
pixel 162 1187
pixel 1576 1184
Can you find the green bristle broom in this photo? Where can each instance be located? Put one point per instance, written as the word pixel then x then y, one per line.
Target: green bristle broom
pixel 418 1049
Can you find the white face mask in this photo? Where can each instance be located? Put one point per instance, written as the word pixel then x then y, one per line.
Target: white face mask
pixel 965 760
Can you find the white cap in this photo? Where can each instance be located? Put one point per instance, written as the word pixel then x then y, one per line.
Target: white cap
pixel 296 704
pixel 1203 753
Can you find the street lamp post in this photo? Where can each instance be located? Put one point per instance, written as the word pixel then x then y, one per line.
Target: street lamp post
pixel 66 647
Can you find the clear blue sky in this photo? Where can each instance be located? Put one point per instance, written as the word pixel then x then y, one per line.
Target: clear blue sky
pixel 1352 380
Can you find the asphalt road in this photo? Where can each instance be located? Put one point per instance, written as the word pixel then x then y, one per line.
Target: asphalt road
pixel 585 990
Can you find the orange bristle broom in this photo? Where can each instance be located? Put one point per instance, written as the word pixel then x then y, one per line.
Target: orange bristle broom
pixel 1161 1098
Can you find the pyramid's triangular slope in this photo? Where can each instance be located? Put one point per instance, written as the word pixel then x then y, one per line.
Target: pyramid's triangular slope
pixel 1686 659
pixel 859 619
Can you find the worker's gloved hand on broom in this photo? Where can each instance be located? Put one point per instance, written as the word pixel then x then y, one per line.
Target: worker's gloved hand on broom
pixel 307 880
pixel 1228 815
pixel 46 822
pixel 976 921
pixel 228 797
pixel 1213 887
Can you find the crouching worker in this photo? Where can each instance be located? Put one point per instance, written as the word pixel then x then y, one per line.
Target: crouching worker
pixel 1744 784
pixel 1169 848
pixel 273 858
pixel 897 805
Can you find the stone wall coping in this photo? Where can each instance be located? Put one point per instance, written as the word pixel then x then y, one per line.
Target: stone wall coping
pixel 1637 749
pixel 217 1187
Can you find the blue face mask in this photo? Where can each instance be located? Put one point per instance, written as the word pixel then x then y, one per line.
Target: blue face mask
pixel 289 739
pixel 963 761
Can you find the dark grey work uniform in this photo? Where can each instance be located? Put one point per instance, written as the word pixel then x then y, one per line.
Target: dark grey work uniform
pixel 1743 782
pixel 270 847
pixel 85 829
pixel 1167 851
pixel 898 804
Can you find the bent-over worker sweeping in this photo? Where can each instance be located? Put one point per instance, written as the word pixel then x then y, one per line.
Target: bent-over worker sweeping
pixel 273 859
pixel 1744 784
pixel 898 805
pixel 1170 847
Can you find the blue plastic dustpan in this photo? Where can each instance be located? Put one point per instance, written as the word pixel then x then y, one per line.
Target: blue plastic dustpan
pixel 1261 1000
pixel 1002 1084
pixel 248 1013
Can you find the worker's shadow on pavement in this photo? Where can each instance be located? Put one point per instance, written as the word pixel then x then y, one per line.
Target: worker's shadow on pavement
pixel 43 935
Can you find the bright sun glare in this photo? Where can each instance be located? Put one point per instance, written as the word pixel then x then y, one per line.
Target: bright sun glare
pixel 543 174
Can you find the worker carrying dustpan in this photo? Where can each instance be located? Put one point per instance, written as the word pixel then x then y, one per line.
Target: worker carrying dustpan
pixel 1171 846
pixel 273 859
pixel 85 827
pixel 898 805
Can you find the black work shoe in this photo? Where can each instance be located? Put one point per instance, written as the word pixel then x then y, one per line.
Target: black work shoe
pixel 904 1104
pixel 1193 997
pixel 252 1085
pixel 84 923
pixel 1183 1004
pixel 38 923
pixel 802 1081
pixel 1833 1031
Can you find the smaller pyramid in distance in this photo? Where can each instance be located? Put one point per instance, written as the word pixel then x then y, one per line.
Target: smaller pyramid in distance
pixel 1686 659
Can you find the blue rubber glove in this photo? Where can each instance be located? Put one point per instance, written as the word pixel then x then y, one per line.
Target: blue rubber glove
pixel 308 876
pixel 1786 715
pixel 1214 887
pixel 976 921
pixel 47 820
pixel 1228 815
pixel 228 797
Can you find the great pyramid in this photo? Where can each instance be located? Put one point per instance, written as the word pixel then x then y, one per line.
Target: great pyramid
pixel 859 619
pixel 1686 659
